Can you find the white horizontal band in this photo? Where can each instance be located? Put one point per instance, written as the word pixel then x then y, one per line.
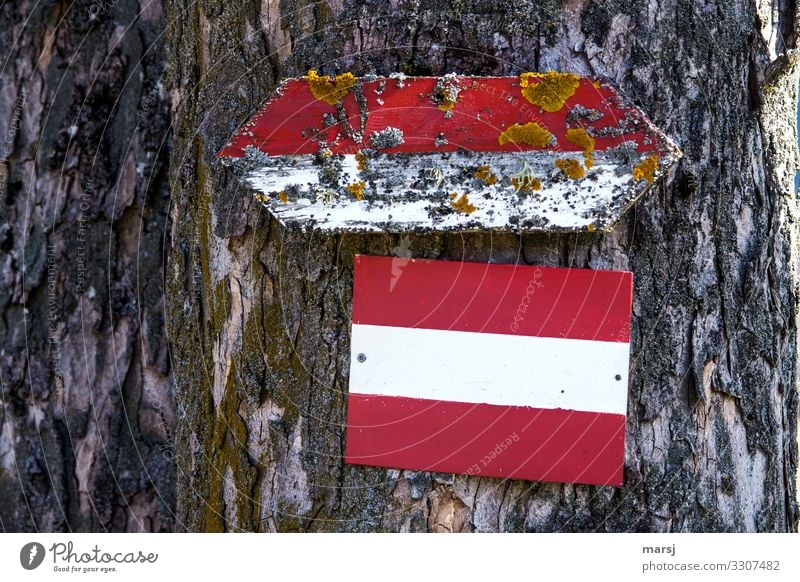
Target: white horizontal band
pixel 487 368
pixel 406 200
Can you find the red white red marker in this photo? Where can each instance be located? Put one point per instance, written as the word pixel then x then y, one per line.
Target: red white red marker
pixel 498 370
pixel 541 151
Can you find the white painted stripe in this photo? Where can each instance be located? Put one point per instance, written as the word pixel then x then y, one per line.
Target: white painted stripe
pixel 409 199
pixel 490 368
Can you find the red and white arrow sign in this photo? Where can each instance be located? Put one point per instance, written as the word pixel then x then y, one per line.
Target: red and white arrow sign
pixel 542 151
pixel 498 370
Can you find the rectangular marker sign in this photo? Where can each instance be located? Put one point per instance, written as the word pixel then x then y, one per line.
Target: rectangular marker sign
pixel 494 370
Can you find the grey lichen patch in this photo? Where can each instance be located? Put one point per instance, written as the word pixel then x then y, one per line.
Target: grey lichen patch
pixel 622 126
pixel 325 195
pixel 626 155
pixel 579 114
pixel 253 159
pixel 388 137
pixel 446 91
pixel 330 168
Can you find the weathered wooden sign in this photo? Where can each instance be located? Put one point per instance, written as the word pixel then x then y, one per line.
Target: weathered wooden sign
pixel 542 151
pixel 485 369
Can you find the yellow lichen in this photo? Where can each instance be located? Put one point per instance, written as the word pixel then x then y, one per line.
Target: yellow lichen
pixel 357 189
pixel 524 180
pixel 571 168
pixel 447 100
pixel 446 92
pixel 583 140
pixel 550 90
pixel 591 227
pixel 462 204
pixel 361 160
pixel 283 197
pixel 485 175
pixel 526 183
pixel 646 169
pixel 331 90
pixel 529 134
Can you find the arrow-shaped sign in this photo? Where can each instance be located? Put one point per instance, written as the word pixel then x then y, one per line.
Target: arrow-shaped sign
pixel 542 151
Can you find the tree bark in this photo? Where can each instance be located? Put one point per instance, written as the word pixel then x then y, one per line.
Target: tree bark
pixel 259 316
pixel 87 394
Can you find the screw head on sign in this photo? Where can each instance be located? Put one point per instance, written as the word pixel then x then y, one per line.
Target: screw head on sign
pixel 362 358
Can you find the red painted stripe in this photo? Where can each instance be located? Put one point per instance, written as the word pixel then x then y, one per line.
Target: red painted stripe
pixel 291 121
pixel 489 298
pixel 484 439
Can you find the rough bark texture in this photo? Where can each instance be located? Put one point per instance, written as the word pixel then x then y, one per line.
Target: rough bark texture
pixel 259 317
pixel 87 395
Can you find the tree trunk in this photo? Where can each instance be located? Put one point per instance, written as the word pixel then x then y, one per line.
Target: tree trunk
pixel 87 395
pixel 259 317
